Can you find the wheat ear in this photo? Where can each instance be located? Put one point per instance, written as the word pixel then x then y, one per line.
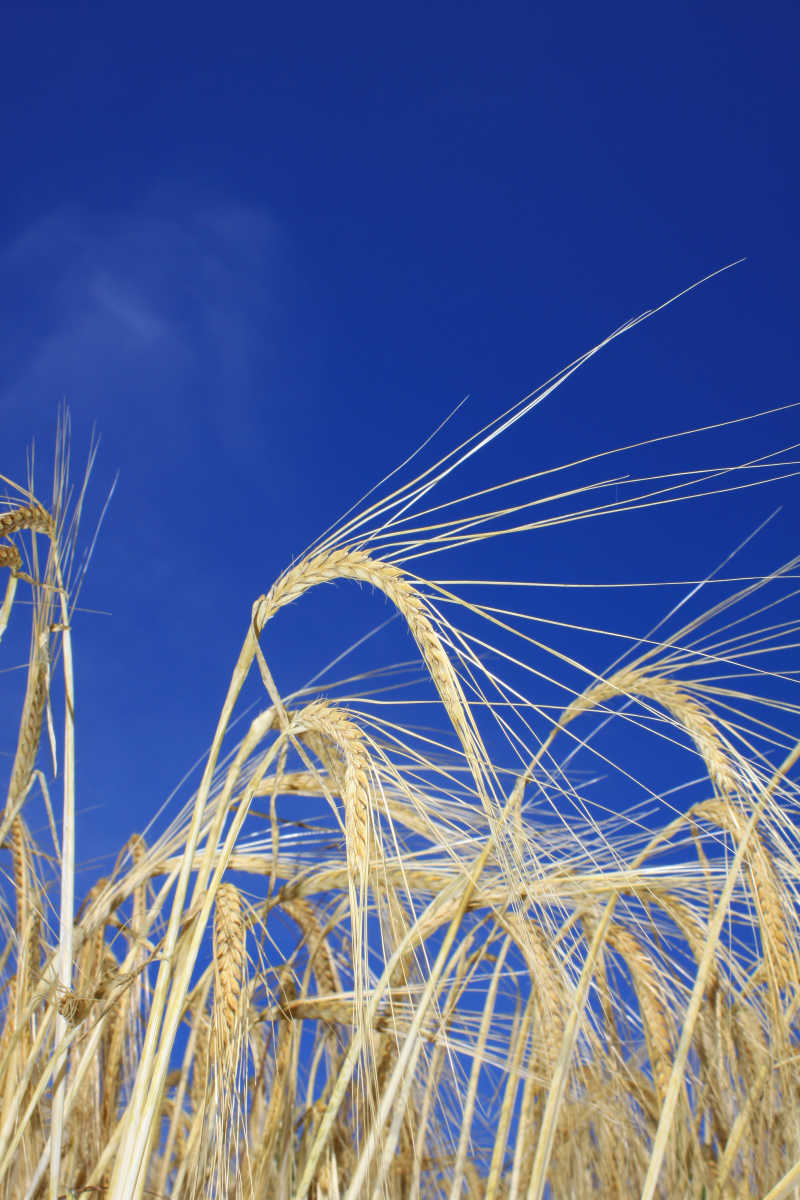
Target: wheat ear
pixel 33 518
pixel 30 731
pixel 546 979
pixel 201 1030
pixel 10 557
pixel 765 887
pixel 229 960
pixel 346 563
pixel 138 849
pixel 304 915
pixel 684 708
pixel 339 742
pixel 651 1004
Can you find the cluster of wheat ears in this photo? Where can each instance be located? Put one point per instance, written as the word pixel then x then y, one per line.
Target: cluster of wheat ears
pixel 472 976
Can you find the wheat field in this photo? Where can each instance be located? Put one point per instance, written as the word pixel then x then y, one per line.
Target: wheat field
pixel 472 970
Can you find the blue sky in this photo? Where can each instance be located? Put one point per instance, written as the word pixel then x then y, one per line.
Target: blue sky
pixel 266 250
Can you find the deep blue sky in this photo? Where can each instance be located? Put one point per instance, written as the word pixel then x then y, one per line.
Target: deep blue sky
pixel 266 248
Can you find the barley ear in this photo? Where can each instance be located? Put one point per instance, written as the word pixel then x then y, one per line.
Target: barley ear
pixel 229 961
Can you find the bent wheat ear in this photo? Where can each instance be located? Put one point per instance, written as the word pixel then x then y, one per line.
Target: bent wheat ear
pixel 319 952
pixel 765 888
pixel 340 744
pixel 652 1005
pixel 333 734
pixel 346 563
pixel 550 983
pixel 684 708
pixel 30 729
pixel 33 518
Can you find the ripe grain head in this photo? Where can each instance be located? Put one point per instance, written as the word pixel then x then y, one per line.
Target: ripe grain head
pixel 229 960
pixel 682 706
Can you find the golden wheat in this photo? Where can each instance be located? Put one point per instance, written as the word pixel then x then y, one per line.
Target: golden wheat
pixel 469 1007
pixel 229 959
pixel 770 907
pixel 684 708
pixel 10 557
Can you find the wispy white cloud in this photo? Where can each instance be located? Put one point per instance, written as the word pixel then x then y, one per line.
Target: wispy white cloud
pixel 134 314
pixel 153 317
